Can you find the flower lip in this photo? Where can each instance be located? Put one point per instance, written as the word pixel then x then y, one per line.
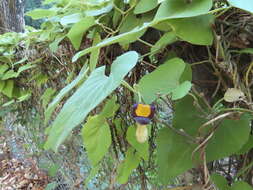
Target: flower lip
pixel 142 120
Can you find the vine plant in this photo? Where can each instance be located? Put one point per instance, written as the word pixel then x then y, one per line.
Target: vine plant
pixel 109 55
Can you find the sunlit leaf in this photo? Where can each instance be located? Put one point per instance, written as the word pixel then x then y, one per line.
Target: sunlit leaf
pixel 8 88
pixel 94 56
pixel 166 39
pixel 99 11
pixel 181 90
pixel 3 68
pixel 10 74
pixel 162 81
pixel 96 133
pixel 242 4
pixel 46 97
pixel 2 84
pixel 95 89
pixel 40 13
pixel 97 138
pixel 144 6
pixel 76 32
pixel 71 19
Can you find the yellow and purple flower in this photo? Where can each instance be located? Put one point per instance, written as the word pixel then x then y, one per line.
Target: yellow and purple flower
pixel 142 114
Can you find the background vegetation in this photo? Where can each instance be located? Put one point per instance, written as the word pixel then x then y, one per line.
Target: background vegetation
pixel 70 84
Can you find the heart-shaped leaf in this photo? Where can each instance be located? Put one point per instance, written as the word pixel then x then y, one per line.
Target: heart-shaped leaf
pixel 230 136
pixel 182 8
pixel 163 80
pixel 196 30
pixel 173 155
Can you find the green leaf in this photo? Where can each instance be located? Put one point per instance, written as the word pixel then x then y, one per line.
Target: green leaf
pixel 130 22
pixel 96 133
pixel 53 169
pixel 3 68
pixel 181 8
pixel 196 30
pixel 5 59
pixel 76 32
pixel 241 185
pixel 55 44
pixel 110 108
pixel 166 39
pixel 8 88
pixel 25 67
pixel 162 81
pixel 23 60
pixel 71 19
pixel 46 97
pixel 64 92
pixel 181 91
pixel 8 103
pixel 116 14
pixel 40 79
pixel 247 146
pixel 24 96
pixel 95 89
pixel 220 182
pixel 246 51
pixel 142 148
pixel 115 39
pixel 186 116
pixel 173 155
pixel 2 84
pixel 100 11
pixel 94 56
pixel 187 74
pixel 162 26
pixel 40 13
pixel 97 138
pixel 242 4
pixel 10 74
pixel 131 162
pixel 230 136
pixel 144 6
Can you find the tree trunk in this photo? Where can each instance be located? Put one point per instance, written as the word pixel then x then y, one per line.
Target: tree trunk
pixel 11 16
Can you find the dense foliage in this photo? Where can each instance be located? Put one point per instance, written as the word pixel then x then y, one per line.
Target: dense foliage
pixel 90 61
